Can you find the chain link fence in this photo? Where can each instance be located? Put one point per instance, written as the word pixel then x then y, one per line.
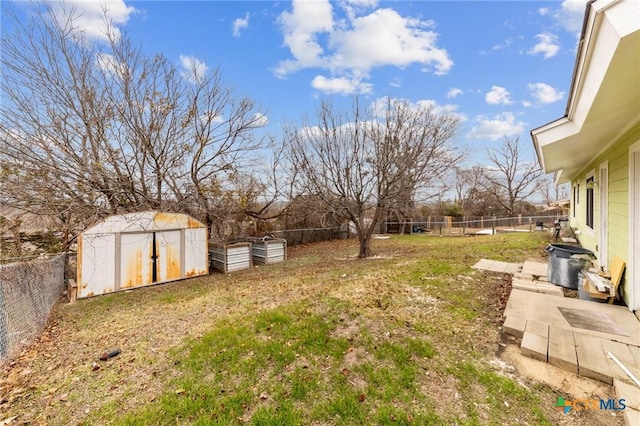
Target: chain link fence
pixel 311 235
pixel 451 226
pixel 28 291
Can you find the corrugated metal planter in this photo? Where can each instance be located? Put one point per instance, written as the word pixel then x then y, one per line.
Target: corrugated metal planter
pixel 230 257
pixel 140 249
pixel 268 251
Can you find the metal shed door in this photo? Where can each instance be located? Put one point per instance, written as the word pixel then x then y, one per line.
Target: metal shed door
pixel 136 263
pixel 168 252
pixel 148 258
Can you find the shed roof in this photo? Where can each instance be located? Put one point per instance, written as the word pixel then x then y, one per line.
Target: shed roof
pixel 144 221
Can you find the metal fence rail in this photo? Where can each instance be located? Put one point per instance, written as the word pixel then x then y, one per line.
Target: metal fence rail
pixel 443 225
pixel 28 291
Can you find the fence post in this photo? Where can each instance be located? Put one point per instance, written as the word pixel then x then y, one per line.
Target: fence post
pixel 493 225
pixel 4 349
pixel 530 229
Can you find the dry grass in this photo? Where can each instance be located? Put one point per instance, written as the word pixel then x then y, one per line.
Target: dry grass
pixel 416 310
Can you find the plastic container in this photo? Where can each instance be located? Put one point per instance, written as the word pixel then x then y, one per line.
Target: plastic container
pixel 565 264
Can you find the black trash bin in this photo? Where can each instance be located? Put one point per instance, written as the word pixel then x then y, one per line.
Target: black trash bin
pixel 565 264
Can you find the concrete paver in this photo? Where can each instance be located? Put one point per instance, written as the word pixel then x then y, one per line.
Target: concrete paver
pixel 632 417
pixel 534 346
pixel 592 361
pixel 546 288
pixel 497 266
pixel 532 313
pixel 523 276
pixel 544 308
pixel 630 393
pixel 620 351
pixel 521 284
pixel 537 327
pixel 562 349
pixel 635 351
pixel 622 354
pixel 483 264
pixel 535 268
pixel 512 268
pixel 514 325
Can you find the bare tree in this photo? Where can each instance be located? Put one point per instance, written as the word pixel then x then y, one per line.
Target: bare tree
pixel 91 127
pixel 360 163
pixel 468 185
pixel 551 192
pixel 511 178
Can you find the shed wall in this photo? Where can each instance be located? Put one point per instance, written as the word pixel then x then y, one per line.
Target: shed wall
pixel 140 249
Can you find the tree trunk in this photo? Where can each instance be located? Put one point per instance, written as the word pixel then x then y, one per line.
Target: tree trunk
pixel 365 245
pixel 15 230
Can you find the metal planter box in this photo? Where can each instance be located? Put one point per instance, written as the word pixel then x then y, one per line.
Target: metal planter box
pixel 266 252
pixel 140 249
pixel 230 257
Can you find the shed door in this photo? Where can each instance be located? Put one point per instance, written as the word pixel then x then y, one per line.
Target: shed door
pixel 168 252
pixel 148 258
pixel 136 263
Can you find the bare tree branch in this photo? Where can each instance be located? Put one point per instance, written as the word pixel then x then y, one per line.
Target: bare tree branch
pixel 360 165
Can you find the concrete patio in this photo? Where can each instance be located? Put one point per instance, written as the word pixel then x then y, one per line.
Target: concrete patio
pixel 573 334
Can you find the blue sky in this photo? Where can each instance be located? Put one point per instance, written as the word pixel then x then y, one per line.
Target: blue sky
pixel 503 66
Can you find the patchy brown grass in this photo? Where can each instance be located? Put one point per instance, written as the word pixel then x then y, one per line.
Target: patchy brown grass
pixel 418 290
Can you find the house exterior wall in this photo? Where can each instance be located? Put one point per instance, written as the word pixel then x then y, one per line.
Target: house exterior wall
pixel 617 158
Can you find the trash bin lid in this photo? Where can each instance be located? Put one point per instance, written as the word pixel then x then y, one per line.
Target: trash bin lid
pixel 567 249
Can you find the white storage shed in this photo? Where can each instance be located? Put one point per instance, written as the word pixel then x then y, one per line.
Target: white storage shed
pixel 140 249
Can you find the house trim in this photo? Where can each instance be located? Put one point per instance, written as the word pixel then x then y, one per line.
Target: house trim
pixel 603 210
pixel 634 227
pixel 602 75
pixel 591 175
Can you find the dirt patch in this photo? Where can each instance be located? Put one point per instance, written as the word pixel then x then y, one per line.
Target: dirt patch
pixel 563 383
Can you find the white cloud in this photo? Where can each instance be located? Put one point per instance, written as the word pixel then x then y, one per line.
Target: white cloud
pixel 508 42
pixel 544 93
pixel 211 117
pixel 340 85
pixel 240 24
pixel 301 28
pixel 496 127
pixel 547 45
pixel 454 92
pixel 395 82
pixel 350 47
pixel 110 64
pixel 498 96
pixel 385 38
pixel 543 11
pixel 526 104
pixel 90 16
pixel 379 107
pixel 353 7
pixel 571 14
pixel 193 69
pixel 259 120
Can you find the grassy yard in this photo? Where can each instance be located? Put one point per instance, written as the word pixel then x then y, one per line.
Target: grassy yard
pixel 409 336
